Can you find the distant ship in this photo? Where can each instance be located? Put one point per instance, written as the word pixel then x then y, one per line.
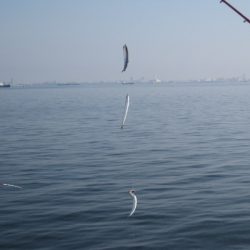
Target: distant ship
pixel 127 83
pixel 68 84
pixel 157 80
pixel 4 85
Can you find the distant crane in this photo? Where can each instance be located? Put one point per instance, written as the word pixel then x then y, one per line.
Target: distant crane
pixel 246 19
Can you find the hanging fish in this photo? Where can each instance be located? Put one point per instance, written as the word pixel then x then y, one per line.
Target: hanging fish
pixel 125 55
pixel 10 185
pixel 125 111
pixel 132 194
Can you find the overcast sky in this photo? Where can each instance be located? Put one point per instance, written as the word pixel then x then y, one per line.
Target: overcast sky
pixel 81 40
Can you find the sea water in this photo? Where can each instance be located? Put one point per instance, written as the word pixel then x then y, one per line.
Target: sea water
pixel 185 149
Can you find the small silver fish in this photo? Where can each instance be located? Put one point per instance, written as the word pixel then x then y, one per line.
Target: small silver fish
pixel 132 194
pixel 125 111
pixel 125 55
pixel 10 185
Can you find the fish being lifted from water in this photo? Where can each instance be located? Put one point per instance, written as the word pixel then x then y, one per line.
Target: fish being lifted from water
pixel 125 55
pixel 132 194
pixel 10 185
pixel 125 111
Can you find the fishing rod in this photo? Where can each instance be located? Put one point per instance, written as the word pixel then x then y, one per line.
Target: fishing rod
pixel 246 19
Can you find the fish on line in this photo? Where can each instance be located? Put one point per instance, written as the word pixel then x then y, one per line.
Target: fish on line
pixel 132 194
pixel 125 111
pixel 125 55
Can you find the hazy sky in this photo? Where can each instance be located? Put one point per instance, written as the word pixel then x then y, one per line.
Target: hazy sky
pixel 81 40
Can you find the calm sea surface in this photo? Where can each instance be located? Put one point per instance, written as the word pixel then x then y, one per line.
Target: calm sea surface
pixel 185 149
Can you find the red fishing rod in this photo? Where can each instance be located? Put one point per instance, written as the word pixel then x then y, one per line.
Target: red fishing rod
pixel 246 19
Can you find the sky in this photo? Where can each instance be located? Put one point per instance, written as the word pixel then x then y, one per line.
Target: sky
pixel 82 40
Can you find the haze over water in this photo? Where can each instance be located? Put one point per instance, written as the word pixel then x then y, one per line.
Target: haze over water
pixel 184 149
pixel 82 41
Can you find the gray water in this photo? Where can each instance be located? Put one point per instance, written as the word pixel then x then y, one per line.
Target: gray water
pixel 185 149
